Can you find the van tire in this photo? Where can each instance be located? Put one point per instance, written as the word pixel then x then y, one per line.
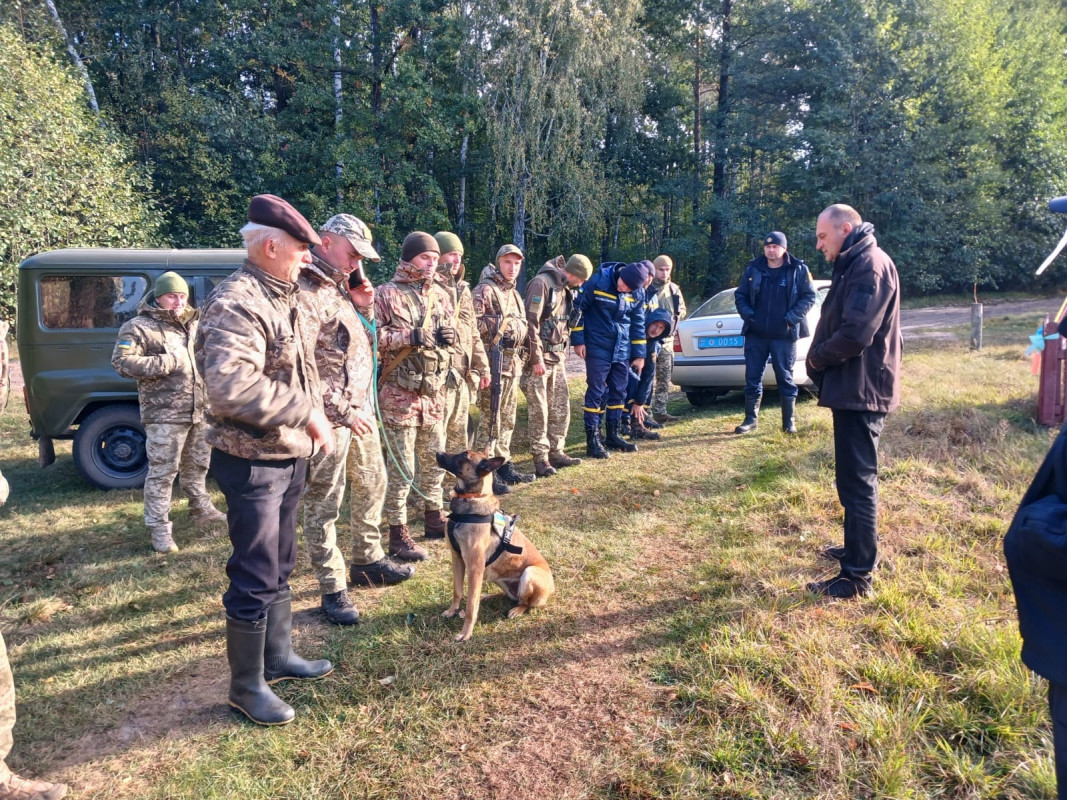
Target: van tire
pixel 109 448
pixel 701 398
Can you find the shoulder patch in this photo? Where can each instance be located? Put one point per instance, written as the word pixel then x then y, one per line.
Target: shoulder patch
pixel 124 343
pixel 536 299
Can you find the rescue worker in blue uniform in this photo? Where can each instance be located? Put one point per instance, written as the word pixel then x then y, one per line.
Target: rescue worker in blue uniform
pixel 639 384
pixel 608 331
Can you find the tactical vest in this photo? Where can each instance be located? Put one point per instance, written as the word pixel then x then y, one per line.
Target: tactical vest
pixel 422 370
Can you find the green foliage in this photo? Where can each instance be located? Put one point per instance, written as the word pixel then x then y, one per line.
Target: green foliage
pixel 65 179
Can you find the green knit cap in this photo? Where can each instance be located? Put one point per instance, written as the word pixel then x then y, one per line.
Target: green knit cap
pixel 579 266
pixel 448 242
pixel 170 282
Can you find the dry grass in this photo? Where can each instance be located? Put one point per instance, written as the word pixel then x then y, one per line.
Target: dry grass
pixel 681 657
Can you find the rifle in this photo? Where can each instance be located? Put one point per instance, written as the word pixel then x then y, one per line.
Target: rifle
pixel 496 366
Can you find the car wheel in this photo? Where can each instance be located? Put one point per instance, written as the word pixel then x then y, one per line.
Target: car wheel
pixel 703 397
pixel 109 448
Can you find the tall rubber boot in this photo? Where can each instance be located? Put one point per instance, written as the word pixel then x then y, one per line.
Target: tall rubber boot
pixel 593 446
pixel 615 442
pixel 280 663
pixel 789 421
pixel 249 692
pixel 751 415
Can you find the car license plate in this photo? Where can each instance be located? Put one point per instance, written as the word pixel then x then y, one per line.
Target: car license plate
pixel 706 342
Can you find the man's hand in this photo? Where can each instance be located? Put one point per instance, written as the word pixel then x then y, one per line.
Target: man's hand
pixel 420 337
pixel 638 364
pixel 362 425
pixel 579 350
pixel 362 295
pixel 445 336
pixel 508 341
pixel 320 431
pixel 485 380
pixel 638 413
pixel 538 369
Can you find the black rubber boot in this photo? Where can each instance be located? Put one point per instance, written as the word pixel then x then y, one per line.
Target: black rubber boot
pixel 751 415
pixel 280 663
pixel 624 425
pixel 593 446
pixel 512 477
pixel 789 421
pixel 615 442
pixel 249 692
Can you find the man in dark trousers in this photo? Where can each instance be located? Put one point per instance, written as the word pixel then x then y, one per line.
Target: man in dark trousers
pixel 773 299
pixel 1035 548
pixel 265 420
pixel 855 359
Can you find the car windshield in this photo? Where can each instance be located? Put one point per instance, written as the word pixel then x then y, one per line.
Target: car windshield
pixel 719 305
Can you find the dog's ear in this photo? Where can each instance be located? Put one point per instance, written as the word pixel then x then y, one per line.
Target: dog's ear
pixel 487 465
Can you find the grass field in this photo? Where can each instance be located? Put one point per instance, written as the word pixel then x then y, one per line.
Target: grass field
pixel 680 658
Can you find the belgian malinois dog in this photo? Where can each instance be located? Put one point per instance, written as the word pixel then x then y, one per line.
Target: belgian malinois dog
pixel 484 550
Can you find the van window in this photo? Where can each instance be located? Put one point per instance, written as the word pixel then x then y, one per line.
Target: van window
pixel 90 301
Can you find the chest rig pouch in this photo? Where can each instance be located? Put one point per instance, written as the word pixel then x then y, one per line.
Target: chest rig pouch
pixel 422 370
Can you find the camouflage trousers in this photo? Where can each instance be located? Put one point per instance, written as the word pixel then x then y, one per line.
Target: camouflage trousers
pixel 406 444
pixel 354 458
pixel 548 405
pixel 179 450
pixel 7 704
pixel 457 415
pixel 664 365
pixel 506 428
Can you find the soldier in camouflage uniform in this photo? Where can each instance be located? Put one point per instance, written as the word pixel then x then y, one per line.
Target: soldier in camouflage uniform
pixel 12 787
pixel 668 296
pixel 501 324
pixel 266 420
pixel 5 391
pixel 416 332
pixel 155 348
pixel 470 368
pixel 336 294
pixel 549 300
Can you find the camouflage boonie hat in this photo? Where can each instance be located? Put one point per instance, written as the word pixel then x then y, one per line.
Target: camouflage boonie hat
pixel 356 231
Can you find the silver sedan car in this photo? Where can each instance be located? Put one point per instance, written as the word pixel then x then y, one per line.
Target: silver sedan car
pixel 709 350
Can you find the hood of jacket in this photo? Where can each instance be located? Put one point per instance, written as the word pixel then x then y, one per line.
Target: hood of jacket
pixel 406 272
pixel 554 273
pixel 491 273
pixel 855 243
pixel 658 315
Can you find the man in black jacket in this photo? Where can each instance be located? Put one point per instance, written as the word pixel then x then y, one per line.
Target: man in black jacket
pixel 773 299
pixel 855 359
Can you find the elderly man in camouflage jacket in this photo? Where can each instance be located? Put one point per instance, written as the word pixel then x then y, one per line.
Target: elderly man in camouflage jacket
pixel 156 348
pixel 469 370
pixel 549 301
pixel 266 420
pixel 338 297
pixel 501 324
pixel 416 330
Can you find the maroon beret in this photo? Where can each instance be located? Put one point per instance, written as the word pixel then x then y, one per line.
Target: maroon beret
pixel 271 210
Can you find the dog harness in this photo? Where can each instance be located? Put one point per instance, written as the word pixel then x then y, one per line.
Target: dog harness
pixel 503 526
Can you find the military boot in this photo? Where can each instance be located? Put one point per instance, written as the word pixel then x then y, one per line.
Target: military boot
pixel 12 787
pixel 624 425
pixel 207 516
pixel 402 546
pixel 615 442
pixel 339 608
pixel 499 487
pixel 559 459
pixel 665 417
pixel 162 540
pixel 639 431
pixel 593 446
pixel 434 525
pixel 512 476
pixel 651 424
pixel 249 692
pixel 751 415
pixel 789 407
pixel 280 663
pixel 542 469
pixel 383 572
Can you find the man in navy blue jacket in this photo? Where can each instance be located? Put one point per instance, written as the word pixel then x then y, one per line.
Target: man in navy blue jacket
pixel 609 333
pixel 773 299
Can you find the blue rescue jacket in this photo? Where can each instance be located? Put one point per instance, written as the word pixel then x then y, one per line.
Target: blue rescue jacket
pixel 610 323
